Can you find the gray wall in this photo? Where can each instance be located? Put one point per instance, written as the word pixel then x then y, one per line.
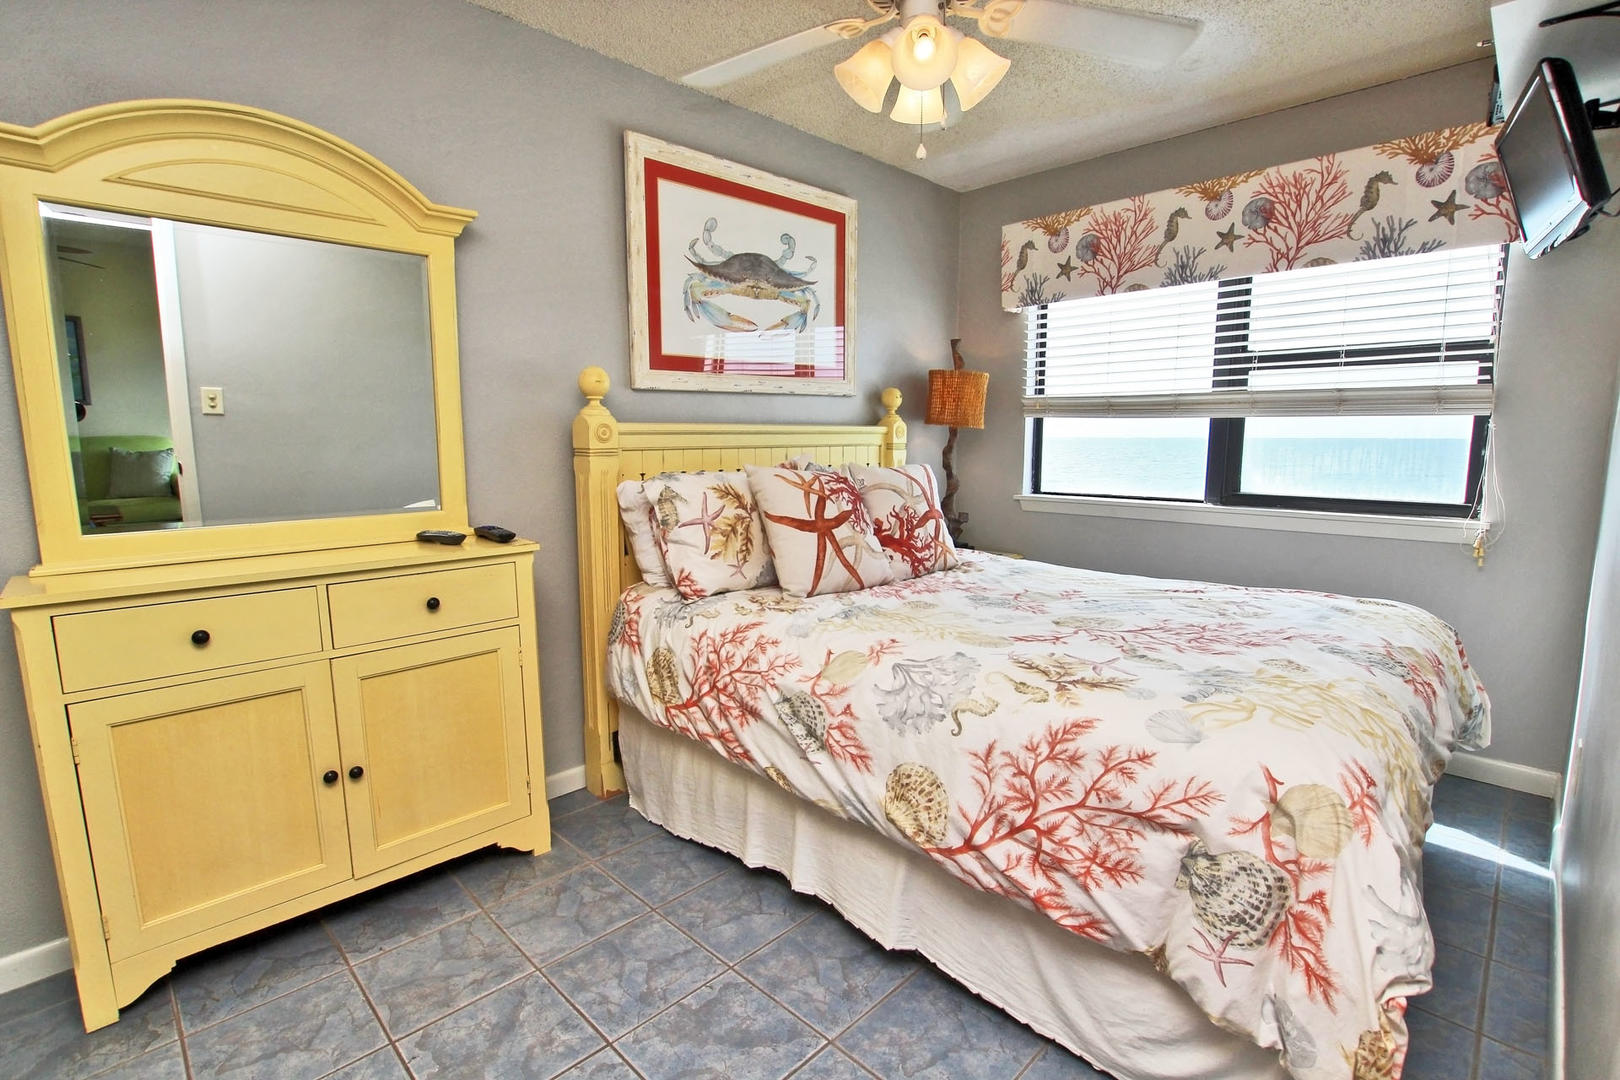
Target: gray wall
pixel 1521 615
pixel 477 111
pixel 1589 831
pixel 323 357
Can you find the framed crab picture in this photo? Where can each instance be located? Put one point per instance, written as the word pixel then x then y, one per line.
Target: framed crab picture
pixel 740 281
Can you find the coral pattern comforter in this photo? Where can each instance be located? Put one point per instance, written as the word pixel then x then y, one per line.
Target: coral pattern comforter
pixel 1233 781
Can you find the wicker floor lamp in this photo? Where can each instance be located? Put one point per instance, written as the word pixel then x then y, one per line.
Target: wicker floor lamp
pixel 956 400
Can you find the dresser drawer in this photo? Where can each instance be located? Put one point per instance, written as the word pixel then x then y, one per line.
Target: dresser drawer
pixel 395 607
pixel 152 641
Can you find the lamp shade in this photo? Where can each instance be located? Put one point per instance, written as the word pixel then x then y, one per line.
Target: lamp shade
pixel 919 106
pixel 956 397
pixel 978 70
pixel 866 75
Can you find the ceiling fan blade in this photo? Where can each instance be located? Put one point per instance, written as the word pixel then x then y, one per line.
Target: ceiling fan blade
pixel 744 64
pixel 1132 38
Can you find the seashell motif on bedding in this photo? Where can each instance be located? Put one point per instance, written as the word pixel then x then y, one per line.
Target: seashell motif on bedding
pixel 914 799
pixel 663 681
pixel 1315 817
pixel 805 719
pixel 1237 897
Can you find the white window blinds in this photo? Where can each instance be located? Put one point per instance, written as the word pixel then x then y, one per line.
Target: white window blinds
pixel 1415 334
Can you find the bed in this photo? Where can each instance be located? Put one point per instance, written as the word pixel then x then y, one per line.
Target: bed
pixel 1174 826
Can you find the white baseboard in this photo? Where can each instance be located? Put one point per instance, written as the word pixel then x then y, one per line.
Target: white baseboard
pixel 32 965
pixel 1547 784
pixel 561 783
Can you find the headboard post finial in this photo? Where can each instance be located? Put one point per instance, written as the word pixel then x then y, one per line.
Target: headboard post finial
pixel 894 429
pixel 593 383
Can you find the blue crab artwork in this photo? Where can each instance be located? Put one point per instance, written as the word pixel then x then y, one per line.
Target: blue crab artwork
pixel 750 275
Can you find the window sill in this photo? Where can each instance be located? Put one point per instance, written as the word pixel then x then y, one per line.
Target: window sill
pixel 1387 526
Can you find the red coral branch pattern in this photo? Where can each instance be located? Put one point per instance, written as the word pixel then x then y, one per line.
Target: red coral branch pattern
pixel 731 672
pixel 1297 210
pixel 1118 244
pixel 1053 813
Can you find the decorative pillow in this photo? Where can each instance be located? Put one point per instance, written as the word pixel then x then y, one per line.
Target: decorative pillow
pixel 802 461
pixel 139 474
pixel 641 527
pixel 820 534
pixel 709 532
pixel 904 504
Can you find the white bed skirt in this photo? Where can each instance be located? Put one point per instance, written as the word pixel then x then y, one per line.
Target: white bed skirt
pixel 1111 1008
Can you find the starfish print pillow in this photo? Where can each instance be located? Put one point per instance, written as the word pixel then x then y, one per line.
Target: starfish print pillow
pixel 904 504
pixel 820 533
pixel 709 532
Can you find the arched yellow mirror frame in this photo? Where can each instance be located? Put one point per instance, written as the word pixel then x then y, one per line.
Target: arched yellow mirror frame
pixel 213 164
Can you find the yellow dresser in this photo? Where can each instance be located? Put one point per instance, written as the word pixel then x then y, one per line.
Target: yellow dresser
pixel 226 744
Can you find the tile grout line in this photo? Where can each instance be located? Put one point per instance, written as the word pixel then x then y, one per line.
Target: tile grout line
pixel 365 996
pixel 558 990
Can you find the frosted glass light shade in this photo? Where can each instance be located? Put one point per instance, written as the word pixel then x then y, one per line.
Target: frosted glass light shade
pixel 919 106
pixel 865 76
pixel 925 55
pixel 977 72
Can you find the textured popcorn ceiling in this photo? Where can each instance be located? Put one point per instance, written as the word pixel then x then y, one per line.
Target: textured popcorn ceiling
pixel 1054 107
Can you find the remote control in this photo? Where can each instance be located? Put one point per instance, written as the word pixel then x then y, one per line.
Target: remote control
pixel 495 533
pixel 441 536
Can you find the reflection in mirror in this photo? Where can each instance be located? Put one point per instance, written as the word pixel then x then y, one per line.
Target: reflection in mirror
pixel 238 376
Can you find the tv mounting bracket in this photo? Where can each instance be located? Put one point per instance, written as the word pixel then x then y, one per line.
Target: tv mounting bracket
pixel 1594 108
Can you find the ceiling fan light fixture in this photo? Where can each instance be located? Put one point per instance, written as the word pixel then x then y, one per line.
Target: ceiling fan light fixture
pixel 926 53
pixel 866 76
pixel 921 107
pixel 977 72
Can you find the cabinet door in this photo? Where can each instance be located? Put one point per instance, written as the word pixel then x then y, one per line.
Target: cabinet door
pixel 207 801
pixel 437 733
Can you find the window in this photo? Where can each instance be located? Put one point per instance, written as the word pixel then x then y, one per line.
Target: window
pixel 1365 387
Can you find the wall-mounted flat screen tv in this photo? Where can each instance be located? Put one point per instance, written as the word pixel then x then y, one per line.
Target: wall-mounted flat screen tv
pixel 1550 159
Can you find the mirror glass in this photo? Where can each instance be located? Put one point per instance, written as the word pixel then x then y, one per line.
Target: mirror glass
pixel 217 376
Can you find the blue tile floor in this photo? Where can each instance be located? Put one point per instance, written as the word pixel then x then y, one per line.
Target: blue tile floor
pixel 627 953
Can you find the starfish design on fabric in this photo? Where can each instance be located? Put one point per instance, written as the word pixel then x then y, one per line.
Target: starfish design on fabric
pixel 705 520
pixel 1228 238
pixel 1065 269
pixel 1217 956
pixel 817 503
pixel 1447 209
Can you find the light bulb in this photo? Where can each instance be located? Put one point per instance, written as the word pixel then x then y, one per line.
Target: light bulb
pixel 925 54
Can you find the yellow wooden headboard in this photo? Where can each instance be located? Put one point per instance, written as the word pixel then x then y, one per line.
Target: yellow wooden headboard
pixel 607 452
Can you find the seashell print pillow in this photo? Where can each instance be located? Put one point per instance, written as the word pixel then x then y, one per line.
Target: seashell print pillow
pixel 904 504
pixel 819 531
pixel 709 532
pixel 640 527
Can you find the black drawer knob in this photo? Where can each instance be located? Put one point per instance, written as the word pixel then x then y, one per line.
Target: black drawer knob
pixel 433 603
pixel 199 638
pixel 356 772
pixel 330 776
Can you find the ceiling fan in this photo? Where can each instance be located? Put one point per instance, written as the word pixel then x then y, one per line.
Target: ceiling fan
pixel 923 53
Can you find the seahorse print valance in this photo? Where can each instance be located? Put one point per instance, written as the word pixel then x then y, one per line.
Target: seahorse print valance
pixel 1440 189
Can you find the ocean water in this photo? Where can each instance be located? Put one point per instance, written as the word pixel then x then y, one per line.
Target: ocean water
pixel 1395 469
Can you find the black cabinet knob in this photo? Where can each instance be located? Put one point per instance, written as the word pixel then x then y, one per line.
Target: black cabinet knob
pixel 330 776
pixel 199 638
pixel 356 772
pixel 433 603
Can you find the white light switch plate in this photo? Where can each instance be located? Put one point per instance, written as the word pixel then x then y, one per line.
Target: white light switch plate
pixel 213 400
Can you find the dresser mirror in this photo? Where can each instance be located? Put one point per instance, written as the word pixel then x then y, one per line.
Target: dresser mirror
pixel 217 376
pixel 232 334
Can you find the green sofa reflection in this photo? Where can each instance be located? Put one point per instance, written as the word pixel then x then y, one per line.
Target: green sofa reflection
pixel 93 464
